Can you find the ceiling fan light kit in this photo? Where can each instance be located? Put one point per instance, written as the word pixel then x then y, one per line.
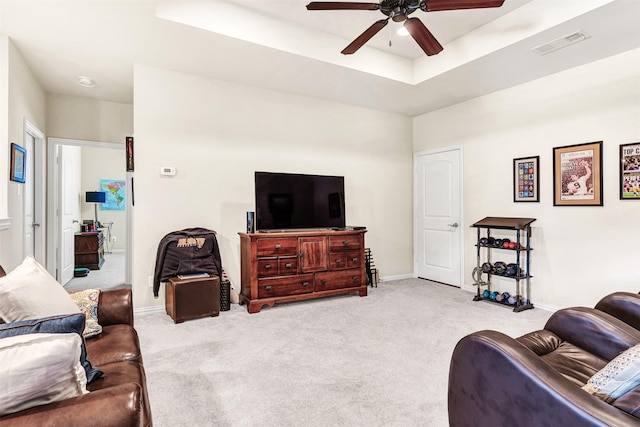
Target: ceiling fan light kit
pixel 399 11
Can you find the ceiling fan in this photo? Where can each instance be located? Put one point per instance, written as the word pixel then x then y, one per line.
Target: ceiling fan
pixel 399 11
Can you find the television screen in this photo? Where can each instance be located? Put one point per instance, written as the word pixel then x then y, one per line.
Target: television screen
pixel 290 201
pixel 96 197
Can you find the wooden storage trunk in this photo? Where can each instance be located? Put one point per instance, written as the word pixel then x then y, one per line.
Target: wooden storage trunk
pixel 192 298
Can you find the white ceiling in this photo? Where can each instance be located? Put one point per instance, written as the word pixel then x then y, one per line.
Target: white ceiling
pixel 279 45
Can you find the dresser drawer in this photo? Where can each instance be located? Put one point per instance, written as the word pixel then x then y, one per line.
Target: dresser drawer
pixel 344 260
pixel 338 279
pixel 268 267
pixel 282 286
pixel 275 247
pixel 345 243
pixel 288 265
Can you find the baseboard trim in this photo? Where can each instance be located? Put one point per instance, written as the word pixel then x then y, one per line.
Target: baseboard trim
pixel 397 277
pixel 152 309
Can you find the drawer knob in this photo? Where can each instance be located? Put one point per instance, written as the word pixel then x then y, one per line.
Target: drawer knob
pixel 338 261
pixel 354 259
pixel 287 265
pixel 324 281
pixel 267 288
pixel 305 284
pixel 278 246
pixel 355 278
pixel 346 243
pixel 267 267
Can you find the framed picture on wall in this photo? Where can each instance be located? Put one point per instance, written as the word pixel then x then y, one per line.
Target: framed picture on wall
pixel 129 149
pixel 526 182
pixel 630 171
pixel 18 163
pixel 577 175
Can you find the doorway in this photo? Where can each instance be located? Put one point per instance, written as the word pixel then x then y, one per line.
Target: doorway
pixel 78 167
pixel 438 222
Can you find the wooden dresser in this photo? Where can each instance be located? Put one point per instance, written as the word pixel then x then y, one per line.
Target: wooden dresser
pixel 89 250
pixel 292 266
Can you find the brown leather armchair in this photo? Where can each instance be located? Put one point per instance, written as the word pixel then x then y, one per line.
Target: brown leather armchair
pixel 535 380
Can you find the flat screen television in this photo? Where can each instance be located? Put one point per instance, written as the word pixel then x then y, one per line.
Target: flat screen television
pixel 297 201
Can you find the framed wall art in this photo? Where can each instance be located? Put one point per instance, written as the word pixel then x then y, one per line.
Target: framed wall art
pixel 577 175
pixel 526 179
pixel 129 153
pixel 630 171
pixel 18 163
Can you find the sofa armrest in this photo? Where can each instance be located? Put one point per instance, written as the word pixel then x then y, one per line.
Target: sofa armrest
pixel 496 381
pixel 593 330
pixel 115 307
pixel 622 305
pixel 120 405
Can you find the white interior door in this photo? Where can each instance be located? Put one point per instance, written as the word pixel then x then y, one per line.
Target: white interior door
pixel 67 194
pixel 438 216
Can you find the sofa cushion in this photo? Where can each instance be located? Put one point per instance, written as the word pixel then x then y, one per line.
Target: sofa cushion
pixel 117 343
pixel 574 363
pixel 37 369
pixel 30 292
pixel 56 324
pixel 618 377
pixel 87 302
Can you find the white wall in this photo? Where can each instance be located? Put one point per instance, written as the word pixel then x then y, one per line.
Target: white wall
pixel 580 253
pixel 217 134
pixel 26 100
pixel 88 119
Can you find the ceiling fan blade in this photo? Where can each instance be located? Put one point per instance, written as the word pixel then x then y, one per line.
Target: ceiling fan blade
pixel 335 5
pixel 435 5
pixel 364 37
pixel 423 36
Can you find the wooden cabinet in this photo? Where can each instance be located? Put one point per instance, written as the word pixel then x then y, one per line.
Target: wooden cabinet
pixel 293 266
pixel 89 250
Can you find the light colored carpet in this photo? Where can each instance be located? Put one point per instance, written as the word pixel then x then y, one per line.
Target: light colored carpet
pixel 110 276
pixel 380 360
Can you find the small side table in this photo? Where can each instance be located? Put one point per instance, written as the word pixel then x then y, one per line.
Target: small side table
pixel 192 297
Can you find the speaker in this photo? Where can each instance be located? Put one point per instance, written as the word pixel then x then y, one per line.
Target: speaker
pixel 251 226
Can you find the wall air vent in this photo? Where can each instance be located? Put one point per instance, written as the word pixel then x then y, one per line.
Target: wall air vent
pixel 569 39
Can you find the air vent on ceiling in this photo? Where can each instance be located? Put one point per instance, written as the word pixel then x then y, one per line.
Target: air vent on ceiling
pixel 565 41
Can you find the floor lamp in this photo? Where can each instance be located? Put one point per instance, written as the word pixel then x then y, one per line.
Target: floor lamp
pixel 96 197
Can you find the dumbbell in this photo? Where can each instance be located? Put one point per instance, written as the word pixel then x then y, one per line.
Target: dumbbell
pixel 486 267
pixel 513 300
pixel 485 293
pixel 499 267
pixel 493 295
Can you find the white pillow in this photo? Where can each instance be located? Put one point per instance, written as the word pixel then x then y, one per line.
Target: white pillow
pixel 30 292
pixel 36 369
pixel 618 377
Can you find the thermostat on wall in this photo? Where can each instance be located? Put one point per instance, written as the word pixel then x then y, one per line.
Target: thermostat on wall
pixel 165 170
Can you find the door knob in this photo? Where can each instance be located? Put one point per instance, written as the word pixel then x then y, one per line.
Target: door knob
pixel 454 225
pixel 35 224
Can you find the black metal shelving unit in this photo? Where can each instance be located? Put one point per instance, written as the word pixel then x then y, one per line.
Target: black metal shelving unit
pixel 522 228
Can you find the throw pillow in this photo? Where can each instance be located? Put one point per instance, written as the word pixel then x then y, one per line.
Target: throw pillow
pixel 87 302
pixel 619 376
pixel 36 369
pixel 30 292
pixel 66 323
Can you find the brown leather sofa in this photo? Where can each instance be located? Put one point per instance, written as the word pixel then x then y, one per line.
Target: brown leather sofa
pixel 117 399
pixel 535 380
